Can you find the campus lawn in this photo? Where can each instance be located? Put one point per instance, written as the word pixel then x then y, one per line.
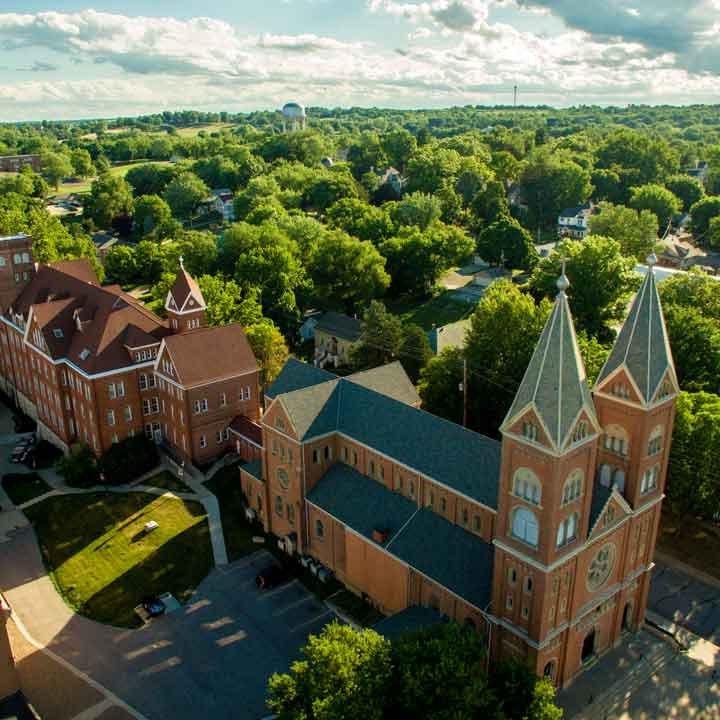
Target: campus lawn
pixel 167 481
pixel 103 564
pixel 22 487
pixel 690 540
pixel 439 310
pixel 225 485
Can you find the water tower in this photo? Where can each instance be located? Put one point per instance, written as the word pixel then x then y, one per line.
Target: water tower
pixel 294 117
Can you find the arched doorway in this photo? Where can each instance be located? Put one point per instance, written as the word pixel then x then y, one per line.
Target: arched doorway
pixel 588 648
pixel 627 617
pixel 549 671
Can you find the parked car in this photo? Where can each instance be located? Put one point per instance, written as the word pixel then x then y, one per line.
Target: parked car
pixel 153 606
pixel 271 577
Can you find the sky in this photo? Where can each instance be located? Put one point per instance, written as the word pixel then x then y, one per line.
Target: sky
pixel 68 60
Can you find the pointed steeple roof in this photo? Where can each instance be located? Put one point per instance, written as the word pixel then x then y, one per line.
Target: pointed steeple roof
pixel 183 288
pixel 642 348
pixel 555 385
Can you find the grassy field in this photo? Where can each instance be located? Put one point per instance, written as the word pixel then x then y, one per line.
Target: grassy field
pixel 209 128
pixel 103 564
pixel 22 487
pixel 83 186
pixel 691 541
pixel 440 310
pixel 167 481
pixel 225 485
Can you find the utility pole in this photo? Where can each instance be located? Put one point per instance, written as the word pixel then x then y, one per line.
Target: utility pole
pixel 464 386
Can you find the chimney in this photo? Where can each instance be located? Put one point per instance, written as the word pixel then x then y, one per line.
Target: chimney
pixel 380 535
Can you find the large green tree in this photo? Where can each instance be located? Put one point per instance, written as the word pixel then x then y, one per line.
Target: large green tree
pixel 56 166
pixel 110 197
pixel 184 194
pixel 506 241
pixel 269 347
pixel 440 384
pixel 700 215
pixel 363 221
pixel 635 230
pixel 226 302
pixel 602 280
pixel 658 200
pixel 343 673
pixel 686 188
pixel 150 211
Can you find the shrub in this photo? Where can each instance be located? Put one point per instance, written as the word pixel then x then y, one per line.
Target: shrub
pixel 79 468
pixel 128 459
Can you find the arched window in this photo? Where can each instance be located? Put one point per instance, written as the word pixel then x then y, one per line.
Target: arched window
pixel 655 441
pixel 525 526
pixel 530 430
pixel 605 475
pixel 567 530
pixel 17 258
pixel 279 505
pixel 650 479
pixel 616 440
pixel 619 480
pixel 282 477
pixel 26 257
pixel 573 487
pixel 319 529
pixel 581 431
pixel 620 390
pixel 527 486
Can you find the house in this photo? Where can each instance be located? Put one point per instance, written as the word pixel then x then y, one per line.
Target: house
pixel 335 336
pixel 15 163
pixel 450 335
pixel 223 202
pixel 94 366
pixel 310 321
pixel 543 542
pixel 699 172
pixel 676 252
pixel 392 177
pixel 573 221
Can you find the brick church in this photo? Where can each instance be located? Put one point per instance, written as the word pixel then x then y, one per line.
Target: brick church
pixel 543 542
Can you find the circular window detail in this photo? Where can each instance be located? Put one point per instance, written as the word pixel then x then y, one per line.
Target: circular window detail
pixel 283 478
pixel 600 567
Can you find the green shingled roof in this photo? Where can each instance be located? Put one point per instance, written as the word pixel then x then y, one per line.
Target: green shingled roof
pixel 253 468
pixel 554 383
pixel 459 458
pixel 447 554
pixel 642 346
pixel 297 375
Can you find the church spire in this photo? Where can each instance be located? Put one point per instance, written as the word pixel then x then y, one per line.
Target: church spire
pixel 642 348
pixel 554 386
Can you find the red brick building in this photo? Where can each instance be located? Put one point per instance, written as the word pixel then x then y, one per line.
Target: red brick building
pixel 544 542
pixel 15 163
pixel 94 366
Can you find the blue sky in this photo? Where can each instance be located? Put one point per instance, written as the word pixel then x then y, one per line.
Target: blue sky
pixel 68 59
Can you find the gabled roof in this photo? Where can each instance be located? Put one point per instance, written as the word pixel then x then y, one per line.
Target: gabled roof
pixel 555 385
pixel 342 326
pixel 296 375
pixel 183 288
pixel 642 347
pixel 455 558
pixel 601 499
pixel 209 354
pixel 453 455
pixel 450 335
pixel 390 380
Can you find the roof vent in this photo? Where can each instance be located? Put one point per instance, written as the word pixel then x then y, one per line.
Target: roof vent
pixel 380 535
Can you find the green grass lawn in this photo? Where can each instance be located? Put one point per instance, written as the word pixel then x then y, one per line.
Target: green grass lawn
pixel 83 186
pixel 167 481
pixel 225 485
pixel 439 310
pixel 22 487
pixel 102 563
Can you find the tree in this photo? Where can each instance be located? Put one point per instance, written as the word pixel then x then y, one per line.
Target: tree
pixel 120 265
pixel 551 182
pixel 686 188
pixel 399 145
pixel 543 705
pixel 601 281
pixel 346 272
pixel 695 342
pixel 343 673
pixel 82 163
pixel 258 191
pixel 128 459
pixel 149 178
pixel 328 188
pixel 439 674
pixel 363 221
pixel 692 289
pixel 497 359
pixel 713 235
pixel 416 209
pixel 414 351
pixel 594 354
pixel 380 338
pixel 184 194
pixel 161 148
pixel 366 154
pixel 608 185
pixel 79 468
pixel 226 302
pixel 110 197
pixel 150 211
pixel 439 384
pixel 472 178
pixel 701 213
pixel 269 347
pixel 431 167
pixel 413 261
pixel 489 205
pixel 56 167
pixel 656 199
pixel 635 230
pixel 505 240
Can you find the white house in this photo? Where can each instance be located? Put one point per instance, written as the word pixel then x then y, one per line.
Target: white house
pixel 573 221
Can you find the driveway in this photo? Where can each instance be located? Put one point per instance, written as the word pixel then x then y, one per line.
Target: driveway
pixel 211 658
pixel 688 601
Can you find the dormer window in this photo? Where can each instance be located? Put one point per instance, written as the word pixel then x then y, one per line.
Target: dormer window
pixel 620 390
pixel 530 431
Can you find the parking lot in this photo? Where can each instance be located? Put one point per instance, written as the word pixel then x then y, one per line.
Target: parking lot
pixel 211 658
